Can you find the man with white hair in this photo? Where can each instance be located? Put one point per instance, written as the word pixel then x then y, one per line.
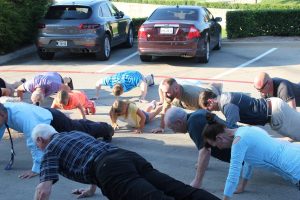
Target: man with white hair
pixel 23 117
pixel 120 174
pixel 194 123
pixel 43 85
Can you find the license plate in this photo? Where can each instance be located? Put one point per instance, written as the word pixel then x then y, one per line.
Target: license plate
pixel 166 30
pixel 61 43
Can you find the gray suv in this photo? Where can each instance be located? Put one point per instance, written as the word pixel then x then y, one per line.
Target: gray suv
pixel 92 26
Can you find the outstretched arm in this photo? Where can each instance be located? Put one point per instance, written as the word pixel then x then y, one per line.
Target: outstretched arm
pixel 43 191
pixel 81 110
pixel 142 121
pixel 20 91
pixel 144 88
pixel 202 164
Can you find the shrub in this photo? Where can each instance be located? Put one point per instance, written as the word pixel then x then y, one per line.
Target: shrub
pixel 18 20
pixel 263 23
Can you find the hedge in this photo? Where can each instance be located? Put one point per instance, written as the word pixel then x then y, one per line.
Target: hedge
pixel 18 19
pixel 249 23
pixel 223 5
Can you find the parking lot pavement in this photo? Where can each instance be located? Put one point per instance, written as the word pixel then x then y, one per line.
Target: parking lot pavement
pixel 174 154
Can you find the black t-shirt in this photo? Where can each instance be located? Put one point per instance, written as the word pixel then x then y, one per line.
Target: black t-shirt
pixel 196 123
pixel 238 107
pixel 286 90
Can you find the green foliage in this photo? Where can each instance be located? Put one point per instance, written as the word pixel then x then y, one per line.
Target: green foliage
pixel 224 5
pixel 263 23
pixel 18 21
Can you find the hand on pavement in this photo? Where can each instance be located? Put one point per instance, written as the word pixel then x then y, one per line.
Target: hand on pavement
pixel 138 131
pixel 195 183
pixel 28 174
pixel 157 130
pixel 82 193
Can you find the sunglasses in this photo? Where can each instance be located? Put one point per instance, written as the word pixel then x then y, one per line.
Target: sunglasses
pixel 264 85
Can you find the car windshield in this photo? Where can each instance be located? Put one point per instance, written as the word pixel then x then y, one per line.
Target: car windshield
pixel 175 14
pixel 68 12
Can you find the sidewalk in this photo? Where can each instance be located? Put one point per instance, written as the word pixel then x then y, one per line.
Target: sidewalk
pixel 16 54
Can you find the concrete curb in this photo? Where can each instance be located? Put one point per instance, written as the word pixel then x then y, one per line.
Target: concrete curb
pixel 16 54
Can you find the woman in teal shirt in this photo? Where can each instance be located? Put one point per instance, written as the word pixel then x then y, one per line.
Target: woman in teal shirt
pixel 256 148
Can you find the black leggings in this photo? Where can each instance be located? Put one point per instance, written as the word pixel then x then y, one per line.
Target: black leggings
pixel 125 175
pixel 62 123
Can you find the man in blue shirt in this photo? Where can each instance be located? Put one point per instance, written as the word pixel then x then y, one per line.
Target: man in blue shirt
pixel 238 107
pixel 23 117
pixel 125 81
pixel 194 123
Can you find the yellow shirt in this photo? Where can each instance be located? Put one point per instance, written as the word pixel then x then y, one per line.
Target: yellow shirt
pixel 132 118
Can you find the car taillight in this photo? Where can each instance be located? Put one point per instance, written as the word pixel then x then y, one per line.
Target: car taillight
pixel 193 33
pixel 142 33
pixel 89 26
pixel 41 26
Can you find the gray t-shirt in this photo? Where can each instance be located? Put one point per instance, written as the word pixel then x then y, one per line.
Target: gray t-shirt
pixel 286 90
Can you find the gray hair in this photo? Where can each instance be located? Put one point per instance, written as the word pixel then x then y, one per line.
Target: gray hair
pixel 42 130
pixel 173 115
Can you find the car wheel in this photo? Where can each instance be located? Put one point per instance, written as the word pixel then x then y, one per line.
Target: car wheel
pixel 145 58
pixel 129 40
pixel 219 45
pixel 205 57
pixel 104 54
pixel 46 55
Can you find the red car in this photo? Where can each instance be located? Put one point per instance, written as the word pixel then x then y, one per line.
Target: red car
pixel 186 31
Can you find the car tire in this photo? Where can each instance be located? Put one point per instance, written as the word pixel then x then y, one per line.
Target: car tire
pixel 105 51
pixel 205 58
pixel 145 58
pixel 130 38
pixel 46 55
pixel 219 44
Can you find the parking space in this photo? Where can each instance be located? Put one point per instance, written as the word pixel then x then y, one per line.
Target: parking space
pixel 235 65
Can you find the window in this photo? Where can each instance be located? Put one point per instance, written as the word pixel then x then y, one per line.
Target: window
pixel 113 9
pixel 175 14
pixel 105 10
pixel 68 12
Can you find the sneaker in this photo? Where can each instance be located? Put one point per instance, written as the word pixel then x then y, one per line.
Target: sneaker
pixel 92 109
pixel 149 79
pixel 152 80
pixel 23 80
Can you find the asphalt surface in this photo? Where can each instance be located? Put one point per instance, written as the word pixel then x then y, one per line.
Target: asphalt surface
pixel 235 65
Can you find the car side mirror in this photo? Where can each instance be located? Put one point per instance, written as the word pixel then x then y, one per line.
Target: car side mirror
pixel 121 14
pixel 218 19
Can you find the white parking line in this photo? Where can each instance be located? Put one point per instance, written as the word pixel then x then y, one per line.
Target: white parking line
pixel 117 63
pixel 244 65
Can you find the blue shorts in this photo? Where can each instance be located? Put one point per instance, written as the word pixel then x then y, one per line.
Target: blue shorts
pixel 147 117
